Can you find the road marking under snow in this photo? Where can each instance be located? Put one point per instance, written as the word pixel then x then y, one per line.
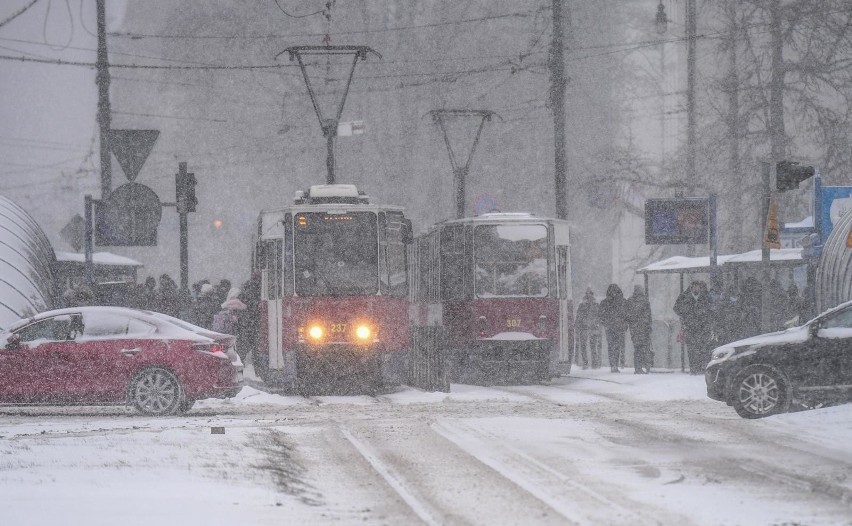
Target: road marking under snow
pixel 393 479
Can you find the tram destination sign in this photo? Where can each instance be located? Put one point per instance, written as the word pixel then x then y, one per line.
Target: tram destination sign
pixel 677 221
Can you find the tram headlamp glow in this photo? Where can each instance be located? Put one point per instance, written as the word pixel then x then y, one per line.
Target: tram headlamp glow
pixel 363 332
pixel 316 332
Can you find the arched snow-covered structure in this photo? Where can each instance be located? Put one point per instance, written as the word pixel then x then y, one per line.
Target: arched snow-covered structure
pixel 834 273
pixel 26 265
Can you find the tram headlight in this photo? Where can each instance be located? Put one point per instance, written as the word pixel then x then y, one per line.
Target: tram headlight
pixel 363 332
pixel 316 332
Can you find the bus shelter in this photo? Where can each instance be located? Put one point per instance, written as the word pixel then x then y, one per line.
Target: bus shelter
pixel 785 264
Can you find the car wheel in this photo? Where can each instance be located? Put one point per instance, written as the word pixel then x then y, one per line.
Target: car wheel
pixel 156 391
pixel 758 391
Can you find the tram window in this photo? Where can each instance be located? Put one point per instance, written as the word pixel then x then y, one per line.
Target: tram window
pixel 511 260
pixel 336 254
pixel 452 263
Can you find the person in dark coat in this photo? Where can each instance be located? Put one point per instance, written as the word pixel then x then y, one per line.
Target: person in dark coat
pixel 614 320
pixel 146 296
pixel 588 330
pixel 638 310
pixel 248 325
pixel 168 301
pixel 206 306
pixel 693 307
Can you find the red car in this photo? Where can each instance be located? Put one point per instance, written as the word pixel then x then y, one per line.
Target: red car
pixel 113 355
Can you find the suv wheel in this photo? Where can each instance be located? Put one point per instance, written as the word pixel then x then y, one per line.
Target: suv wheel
pixel 758 391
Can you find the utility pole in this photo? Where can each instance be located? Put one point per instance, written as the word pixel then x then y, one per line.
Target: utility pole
pixel 104 111
pixel 690 92
pixel 557 101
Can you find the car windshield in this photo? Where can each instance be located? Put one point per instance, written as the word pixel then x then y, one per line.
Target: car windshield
pixel 336 254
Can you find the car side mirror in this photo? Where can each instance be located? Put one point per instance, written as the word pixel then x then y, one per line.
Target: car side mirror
pixel 13 341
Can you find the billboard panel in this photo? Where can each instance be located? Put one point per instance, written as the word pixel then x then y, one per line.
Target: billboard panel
pixel 677 221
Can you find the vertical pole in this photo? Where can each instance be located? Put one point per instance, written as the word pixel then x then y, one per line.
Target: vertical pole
pixel 714 268
pixel 766 175
pixel 330 131
pixel 557 100
pixel 89 270
pixel 460 174
pixel 104 111
pixel 184 251
pixel 184 230
pixel 690 91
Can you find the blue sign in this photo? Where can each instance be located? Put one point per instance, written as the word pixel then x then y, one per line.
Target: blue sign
pixel 834 202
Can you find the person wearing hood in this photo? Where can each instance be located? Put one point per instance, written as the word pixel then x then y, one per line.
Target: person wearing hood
pixel 693 307
pixel 226 320
pixel 588 331
pixel 638 310
pixel 613 318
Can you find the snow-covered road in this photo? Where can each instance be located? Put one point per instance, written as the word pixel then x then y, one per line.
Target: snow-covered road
pixel 593 448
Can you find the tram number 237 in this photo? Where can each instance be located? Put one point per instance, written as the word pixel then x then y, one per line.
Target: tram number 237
pixel 513 323
pixel 337 327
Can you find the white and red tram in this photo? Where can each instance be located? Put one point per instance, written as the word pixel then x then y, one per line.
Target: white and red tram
pixel 494 293
pixel 334 292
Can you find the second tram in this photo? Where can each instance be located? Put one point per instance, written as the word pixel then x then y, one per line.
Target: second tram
pixel 498 289
pixel 334 292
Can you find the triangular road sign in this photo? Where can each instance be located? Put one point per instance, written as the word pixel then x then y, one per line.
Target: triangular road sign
pixel 131 149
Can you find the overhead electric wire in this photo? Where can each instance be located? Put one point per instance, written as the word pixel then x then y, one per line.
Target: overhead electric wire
pixel 297 16
pixel 17 13
pixel 336 33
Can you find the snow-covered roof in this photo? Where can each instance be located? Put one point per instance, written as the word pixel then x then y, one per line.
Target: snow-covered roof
pixel 98 258
pixel 807 222
pixel 685 264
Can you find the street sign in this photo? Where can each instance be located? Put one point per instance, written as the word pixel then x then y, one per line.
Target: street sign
pixel 772 237
pixel 484 204
pixel 835 200
pixel 348 129
pixel 677 221
pixel 131 149
pixel 129 217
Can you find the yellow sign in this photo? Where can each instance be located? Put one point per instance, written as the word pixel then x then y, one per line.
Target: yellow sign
pixel 773 236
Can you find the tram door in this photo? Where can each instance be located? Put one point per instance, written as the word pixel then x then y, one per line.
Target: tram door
pixel 566 307
pixel 271 294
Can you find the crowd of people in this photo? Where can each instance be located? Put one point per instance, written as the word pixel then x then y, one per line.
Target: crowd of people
pixel 220 307
pixel 614 316
pixel 709 317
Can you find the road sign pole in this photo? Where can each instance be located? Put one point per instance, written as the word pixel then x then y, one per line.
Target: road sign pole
pixel 184 251
pixel 87 242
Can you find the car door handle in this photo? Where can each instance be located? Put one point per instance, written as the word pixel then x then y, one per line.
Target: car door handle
pixel 131 352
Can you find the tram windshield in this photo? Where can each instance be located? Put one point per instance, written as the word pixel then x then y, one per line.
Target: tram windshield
pixel 511 260
pixel 336 254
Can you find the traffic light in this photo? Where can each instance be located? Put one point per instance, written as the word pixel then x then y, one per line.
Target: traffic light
pixel 185 191
pixel 789 174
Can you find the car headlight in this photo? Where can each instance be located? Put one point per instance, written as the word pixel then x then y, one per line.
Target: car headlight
pixel 721 354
